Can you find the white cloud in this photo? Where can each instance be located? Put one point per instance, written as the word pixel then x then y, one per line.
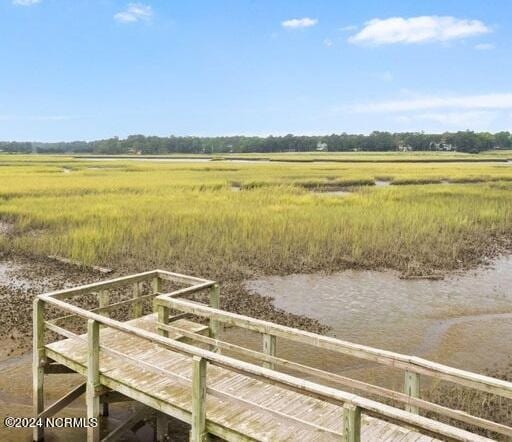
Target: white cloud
pixel 484 101
pixel 417 30
pixel 296 23
pixel 134 12
pixel 328 43
pixel 25 2
pixel 484 46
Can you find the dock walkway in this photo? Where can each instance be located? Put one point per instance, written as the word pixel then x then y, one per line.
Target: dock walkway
pixel 174 361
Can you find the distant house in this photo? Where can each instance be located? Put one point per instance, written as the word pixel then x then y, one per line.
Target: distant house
pixel 321 147
pixel 442 146
pixel 404 148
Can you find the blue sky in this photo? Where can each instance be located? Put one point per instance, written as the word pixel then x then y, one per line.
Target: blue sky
pixel 86 69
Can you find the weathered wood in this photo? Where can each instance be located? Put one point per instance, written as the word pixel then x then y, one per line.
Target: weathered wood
pixel 198 428
pixel 384 357
pixel 163 318
pixel 125 426
pixel 273 377
pixel 351 383
pixel 64 401
pixel 214 325
pixel 351 423
pixel 93 379
pixel 137 304
pixel 269 348
pixel 190 290
pixel 228 434
pixel 38 363
pixel 178 316
pixel 156 284
pixel 96 286
pixel 56 369
pixel 178 277
pixel 412 389
pixel 104 301
pixel 111 397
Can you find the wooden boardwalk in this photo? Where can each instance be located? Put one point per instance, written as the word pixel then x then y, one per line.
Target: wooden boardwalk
pixel 175 365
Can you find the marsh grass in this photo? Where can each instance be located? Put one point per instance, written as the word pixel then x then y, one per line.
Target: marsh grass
pixel 186 217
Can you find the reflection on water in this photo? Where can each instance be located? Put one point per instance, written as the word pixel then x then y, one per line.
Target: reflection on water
pixel 464 320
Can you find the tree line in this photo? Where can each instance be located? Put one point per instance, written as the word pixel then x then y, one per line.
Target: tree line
pixel 462 141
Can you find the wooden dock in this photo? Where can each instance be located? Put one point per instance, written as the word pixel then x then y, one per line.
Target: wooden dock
pixel 173 360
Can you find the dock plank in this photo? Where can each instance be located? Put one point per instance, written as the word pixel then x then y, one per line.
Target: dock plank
pixel 306 415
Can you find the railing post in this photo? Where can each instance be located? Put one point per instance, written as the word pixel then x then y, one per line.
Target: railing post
pixel 412 389
pixel 104 301
pixel 269 348
pixel 137 305
pixel 156 284
pixel 214 325
pixel 351 423
pixel 161 310
pixel 39 360
pixel 198 430
pixel 163 318
pixel 93 379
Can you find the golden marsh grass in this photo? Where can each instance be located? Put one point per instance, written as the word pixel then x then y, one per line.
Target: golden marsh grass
pixel 186 216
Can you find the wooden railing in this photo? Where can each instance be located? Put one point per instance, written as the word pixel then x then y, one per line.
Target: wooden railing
pixel 354 405
pixel 412 366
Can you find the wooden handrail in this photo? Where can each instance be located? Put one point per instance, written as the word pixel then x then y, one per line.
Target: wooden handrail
pixel 346 382
pixel 384 357
pixel 117 282
pixel 306 387
pixel 111 283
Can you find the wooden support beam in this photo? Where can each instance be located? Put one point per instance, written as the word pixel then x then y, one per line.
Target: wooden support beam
pixel 351 423
pixel 57 369
pixel 125 426
pixel 162 427
pixel 412 389
pixel 269 348
pixel 38 363
pixel 214 325
pixel 198 429
pixel 93 379
pixel 63 402
pixel 111 397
